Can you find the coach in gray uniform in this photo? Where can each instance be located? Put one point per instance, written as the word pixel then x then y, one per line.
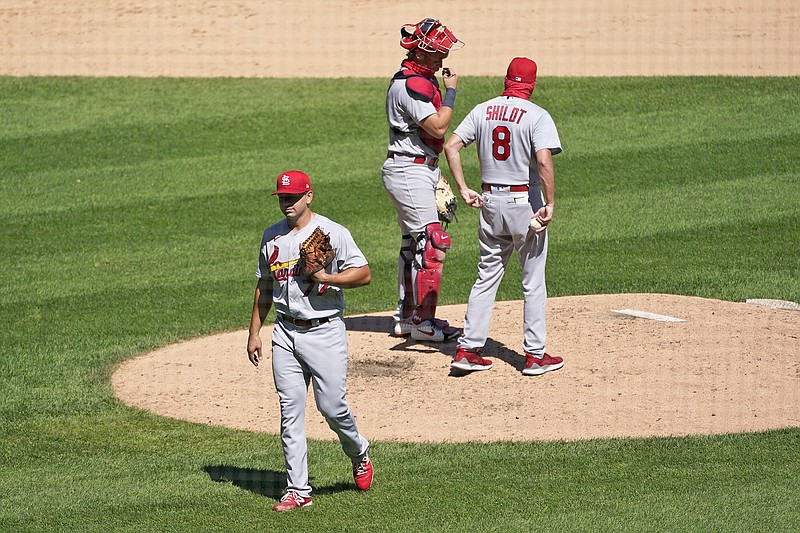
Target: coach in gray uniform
pixel 309 341
pixel 516 142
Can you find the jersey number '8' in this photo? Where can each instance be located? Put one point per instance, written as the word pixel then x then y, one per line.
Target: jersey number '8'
pixel 501 143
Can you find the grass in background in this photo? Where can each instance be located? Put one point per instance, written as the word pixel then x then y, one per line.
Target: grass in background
pixel 132 210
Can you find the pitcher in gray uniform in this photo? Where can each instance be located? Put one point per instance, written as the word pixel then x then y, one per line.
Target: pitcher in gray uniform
pixel 516 141
pixel 309 341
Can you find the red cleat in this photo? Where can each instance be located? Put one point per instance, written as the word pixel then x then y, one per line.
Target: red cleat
pixel 363 473
pixel 470 360
pixel 536 366
pixel 291 501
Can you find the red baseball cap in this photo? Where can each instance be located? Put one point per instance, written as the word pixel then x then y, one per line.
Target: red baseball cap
pixel 522 69
pixel 292 182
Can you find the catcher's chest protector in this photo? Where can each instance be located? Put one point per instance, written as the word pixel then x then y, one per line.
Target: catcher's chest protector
pixel 425 89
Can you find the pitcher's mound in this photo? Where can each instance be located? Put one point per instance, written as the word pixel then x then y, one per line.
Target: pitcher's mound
pixel 635 365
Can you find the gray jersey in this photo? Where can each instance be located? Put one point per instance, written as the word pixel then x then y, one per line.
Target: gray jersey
pixel 293 294
pixel 404 113
pixel 303 355
pixel 509 131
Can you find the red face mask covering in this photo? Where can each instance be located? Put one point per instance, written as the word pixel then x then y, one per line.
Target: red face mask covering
pixel 417 68
pixel 518 89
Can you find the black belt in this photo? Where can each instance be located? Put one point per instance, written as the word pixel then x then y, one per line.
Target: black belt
pixel 511 188
pixel 430 161
pixel 300 323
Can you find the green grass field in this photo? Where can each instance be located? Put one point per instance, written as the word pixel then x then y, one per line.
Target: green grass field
pixel 132 211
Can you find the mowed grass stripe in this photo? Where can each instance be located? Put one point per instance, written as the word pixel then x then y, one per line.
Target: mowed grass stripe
pixel 677 185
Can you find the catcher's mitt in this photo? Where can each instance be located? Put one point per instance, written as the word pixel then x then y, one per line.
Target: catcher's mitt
pixel 315 253
pixel 445 201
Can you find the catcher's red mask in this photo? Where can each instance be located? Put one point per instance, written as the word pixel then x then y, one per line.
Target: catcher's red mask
pixel 428 35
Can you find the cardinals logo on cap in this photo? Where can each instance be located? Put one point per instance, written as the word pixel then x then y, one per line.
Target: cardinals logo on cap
pixel 292 182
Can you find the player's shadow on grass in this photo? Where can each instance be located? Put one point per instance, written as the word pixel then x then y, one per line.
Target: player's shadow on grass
pixel 268 483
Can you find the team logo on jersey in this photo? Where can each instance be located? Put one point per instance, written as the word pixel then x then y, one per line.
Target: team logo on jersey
pixel 281 270
pixel 274 256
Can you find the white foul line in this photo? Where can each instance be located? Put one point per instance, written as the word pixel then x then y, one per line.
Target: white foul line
pixel 645 314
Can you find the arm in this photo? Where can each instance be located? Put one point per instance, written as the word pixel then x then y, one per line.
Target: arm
pixel 452 150
pixel 262 302
pixel 347 279
pixel 544 160
pixel 437 123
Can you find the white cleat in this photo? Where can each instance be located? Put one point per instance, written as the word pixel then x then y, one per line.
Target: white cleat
pixel 432 330
pixel 402 328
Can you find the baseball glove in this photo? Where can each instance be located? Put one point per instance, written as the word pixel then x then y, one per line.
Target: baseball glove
pixel 445 201
pixel 315 253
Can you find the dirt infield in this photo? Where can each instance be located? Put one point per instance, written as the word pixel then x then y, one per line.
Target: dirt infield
pixel 340 38
pixel 728 367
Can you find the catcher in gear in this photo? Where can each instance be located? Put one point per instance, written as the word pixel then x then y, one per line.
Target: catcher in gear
pixel 419 116
pixel 304 263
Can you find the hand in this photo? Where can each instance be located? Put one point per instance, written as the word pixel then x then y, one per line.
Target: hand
pixel 450 78
pixel 472 198
pixel 545 216
pixel 254 349
pixel 320 276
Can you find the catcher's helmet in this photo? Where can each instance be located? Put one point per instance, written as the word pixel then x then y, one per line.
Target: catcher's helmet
pixel 428 35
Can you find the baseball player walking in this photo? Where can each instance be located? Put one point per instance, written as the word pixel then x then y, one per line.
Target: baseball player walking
pixel 516 141
pixel 309 341
pixel 418 119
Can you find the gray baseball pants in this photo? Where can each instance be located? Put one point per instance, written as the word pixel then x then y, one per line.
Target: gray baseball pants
pixel 316 355
pixel 504 226
pixel 412 189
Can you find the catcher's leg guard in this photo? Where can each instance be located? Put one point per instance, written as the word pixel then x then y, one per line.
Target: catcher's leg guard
pixel 405 284
pixel 431 251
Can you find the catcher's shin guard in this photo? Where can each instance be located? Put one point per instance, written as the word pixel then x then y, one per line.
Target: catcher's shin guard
pixel 405 284
pixel 429 274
